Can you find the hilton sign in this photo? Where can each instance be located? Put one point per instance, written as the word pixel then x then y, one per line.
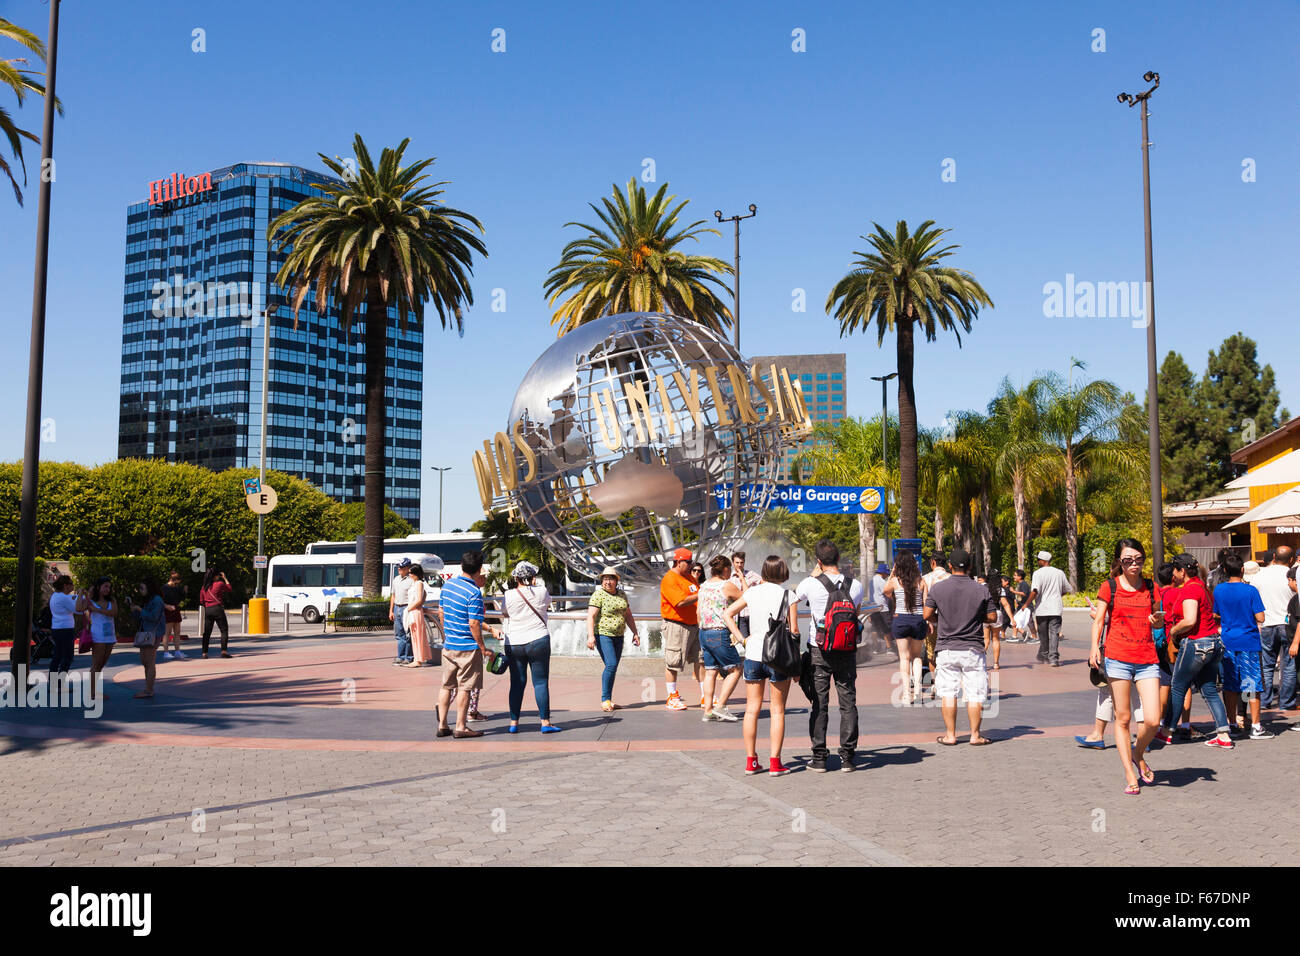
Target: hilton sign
pixel 178 187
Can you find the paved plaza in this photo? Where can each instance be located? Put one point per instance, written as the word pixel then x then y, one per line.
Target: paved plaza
pixel 315 750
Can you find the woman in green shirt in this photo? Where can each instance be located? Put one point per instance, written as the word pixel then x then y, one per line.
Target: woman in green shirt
pixel 608 615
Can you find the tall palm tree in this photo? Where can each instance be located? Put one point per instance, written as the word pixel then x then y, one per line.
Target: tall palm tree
pixel 899 285
pixel 508 538
pixel 1081 423
pixel 21 81
pixel 633 265
pixel 1017 418
pixel 965 463
pixel 848 452
pixel 381 238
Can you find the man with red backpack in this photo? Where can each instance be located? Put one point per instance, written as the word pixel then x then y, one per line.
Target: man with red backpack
pixel 833 635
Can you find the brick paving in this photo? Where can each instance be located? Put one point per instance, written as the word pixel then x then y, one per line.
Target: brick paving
pixel 242 769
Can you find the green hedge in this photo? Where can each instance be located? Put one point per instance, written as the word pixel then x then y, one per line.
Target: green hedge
pixel 9 594
pixel 125 574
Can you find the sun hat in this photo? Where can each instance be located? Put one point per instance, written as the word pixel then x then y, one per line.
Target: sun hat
pixel 524 570
pixel 609 573
pixel 1044 556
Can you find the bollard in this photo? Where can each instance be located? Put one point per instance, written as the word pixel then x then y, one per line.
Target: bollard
pixel 243 619
pixel 259 616
pixel 325 619
pixel 286 617
pixel 202 618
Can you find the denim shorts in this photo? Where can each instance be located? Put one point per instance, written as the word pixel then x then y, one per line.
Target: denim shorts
pixel 909 626
pixel 1242 673
pixel 717 651
pixel 1123 670
pixel 756 671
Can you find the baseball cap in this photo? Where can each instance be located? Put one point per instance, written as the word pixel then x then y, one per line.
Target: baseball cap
pixel 682 554
pixel 404 563
pixel 958 558
pixel 1044 556
pixel 882 568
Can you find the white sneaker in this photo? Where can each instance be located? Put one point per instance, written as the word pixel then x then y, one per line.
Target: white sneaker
pixel 708 715
pixel 722 713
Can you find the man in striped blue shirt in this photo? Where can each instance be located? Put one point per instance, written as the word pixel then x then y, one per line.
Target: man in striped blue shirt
pixel 460 611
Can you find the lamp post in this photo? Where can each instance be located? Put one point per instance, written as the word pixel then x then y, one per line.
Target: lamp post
pixel 440 471
pixel 1153 397
pixel 261 467
pixel 735 291
pixel 26 583
pixel 884 444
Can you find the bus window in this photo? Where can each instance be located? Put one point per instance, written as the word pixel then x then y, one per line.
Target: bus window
pixel 352 575
pixel 287 576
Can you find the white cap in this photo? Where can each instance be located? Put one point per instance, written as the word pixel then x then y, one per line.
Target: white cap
pixel 1044 556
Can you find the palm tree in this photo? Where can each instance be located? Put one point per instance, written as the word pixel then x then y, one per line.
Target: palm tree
pixel 1081 423
pixel 22 82
pixel 1017 417
pixel 633 265
pixel 898 286
pixel 509 539
pixel 964 465
pixel 848 452
pixel 381 238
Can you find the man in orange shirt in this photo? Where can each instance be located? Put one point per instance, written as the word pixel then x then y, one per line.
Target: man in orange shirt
pixel 678 594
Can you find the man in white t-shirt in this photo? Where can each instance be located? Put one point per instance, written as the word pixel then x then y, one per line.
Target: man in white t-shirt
pixel 743 580
pixel 825 666
pixel 1271 582
pixel 399 594
pixel 1046 587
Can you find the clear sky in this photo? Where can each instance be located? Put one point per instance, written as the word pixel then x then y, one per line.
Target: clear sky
pixel 855 128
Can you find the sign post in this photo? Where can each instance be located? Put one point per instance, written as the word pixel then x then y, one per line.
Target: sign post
pixel 261 502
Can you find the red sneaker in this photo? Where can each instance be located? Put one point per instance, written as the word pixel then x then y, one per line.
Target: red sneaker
pixel 752 766
pixel 1221 744
pixel 776 768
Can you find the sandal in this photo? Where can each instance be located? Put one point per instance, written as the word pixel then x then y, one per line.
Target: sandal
pixel 1148 775
pixel 143 695
pixel 607 706
pixel 982 742
pixel 1132 790
pixel 946 743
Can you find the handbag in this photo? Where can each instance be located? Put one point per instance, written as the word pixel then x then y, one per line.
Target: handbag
pixel 84 643
pixel 780 647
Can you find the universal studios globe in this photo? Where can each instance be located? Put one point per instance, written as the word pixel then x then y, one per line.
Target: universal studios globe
pixel 626 436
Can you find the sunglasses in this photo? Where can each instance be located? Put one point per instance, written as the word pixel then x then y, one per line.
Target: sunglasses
pixel 1130 562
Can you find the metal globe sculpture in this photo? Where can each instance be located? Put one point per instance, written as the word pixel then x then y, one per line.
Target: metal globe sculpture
pixel 626 436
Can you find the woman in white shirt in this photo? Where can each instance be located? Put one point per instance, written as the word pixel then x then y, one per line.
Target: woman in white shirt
pixel 63 624
pixel 528 644
pixel 765 602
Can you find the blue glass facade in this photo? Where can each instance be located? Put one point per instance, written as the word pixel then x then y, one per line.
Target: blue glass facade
pixel 199 272
pixel 824 381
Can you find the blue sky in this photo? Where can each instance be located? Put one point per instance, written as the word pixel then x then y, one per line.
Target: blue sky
pixel 856 128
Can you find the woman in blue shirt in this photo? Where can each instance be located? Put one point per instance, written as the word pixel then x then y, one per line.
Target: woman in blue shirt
pixel 1239 609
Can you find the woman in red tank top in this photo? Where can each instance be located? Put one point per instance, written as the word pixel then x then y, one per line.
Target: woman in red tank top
pixel 1132 610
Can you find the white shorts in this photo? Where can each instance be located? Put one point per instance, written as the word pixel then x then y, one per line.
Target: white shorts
pixel 1106 705
pixel 961 670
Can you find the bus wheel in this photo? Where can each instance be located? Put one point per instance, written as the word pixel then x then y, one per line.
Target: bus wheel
pixel 311 615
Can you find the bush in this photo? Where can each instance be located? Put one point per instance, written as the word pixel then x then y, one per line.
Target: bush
pixel 124 574
pixel 1060 556
pixel 9 594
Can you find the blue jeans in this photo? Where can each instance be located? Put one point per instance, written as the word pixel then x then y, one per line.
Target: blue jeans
pixel 1198 666
pixel 611 652
pixel 404 652
pixel 1273 645
pixel 65 639
pixel 521 657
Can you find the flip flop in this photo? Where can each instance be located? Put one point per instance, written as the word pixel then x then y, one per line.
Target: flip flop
pixel 982 742
pixel 946 743
pixel 1132 790
pixel 1148 776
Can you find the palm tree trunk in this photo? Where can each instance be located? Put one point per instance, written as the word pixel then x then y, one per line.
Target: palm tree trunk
pixel 866 545
pixel 906 429
pixel 986 528
pixel 1071 518
pixel 376 365
pixel 1018 499
pixel 960 533
pixel 938 529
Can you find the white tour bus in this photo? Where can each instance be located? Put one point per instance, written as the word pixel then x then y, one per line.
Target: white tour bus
pixel 309 584
pixel 449 547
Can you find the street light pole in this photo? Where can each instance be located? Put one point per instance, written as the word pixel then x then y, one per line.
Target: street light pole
pixel 1153 397
pixel 735 291
pixel 440 471
pixel 261 468
pixel 23 606
pixel 884 444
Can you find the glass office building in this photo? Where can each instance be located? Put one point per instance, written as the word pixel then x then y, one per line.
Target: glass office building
pixel 199 273
pixel 822 377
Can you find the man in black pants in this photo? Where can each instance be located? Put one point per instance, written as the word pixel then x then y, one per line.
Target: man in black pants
pixel 839 666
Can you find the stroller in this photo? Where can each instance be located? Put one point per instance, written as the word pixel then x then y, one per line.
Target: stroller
pixel 42 637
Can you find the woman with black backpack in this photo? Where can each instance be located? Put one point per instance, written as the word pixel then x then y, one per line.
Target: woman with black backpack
pixel 1124 648
pixel 766 602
